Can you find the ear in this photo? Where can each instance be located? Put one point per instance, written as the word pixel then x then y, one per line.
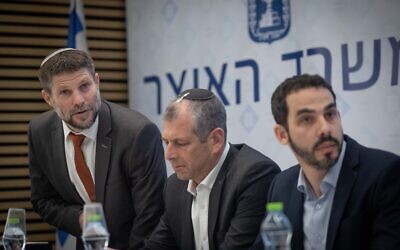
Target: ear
pixel 46 96
pixel 97 79
pixel 217 139
pixel 281 134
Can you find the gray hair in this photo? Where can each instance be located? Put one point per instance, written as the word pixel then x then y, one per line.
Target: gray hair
pixel 207 115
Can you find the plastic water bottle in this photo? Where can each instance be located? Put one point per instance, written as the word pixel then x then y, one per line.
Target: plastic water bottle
pixel 276 230
pixel 13 239
pixel 95 237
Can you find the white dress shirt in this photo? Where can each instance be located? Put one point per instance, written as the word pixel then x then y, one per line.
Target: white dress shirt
pixel 200 204
pixel 89 151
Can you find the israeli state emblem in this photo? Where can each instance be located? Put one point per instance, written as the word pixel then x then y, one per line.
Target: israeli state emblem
pixel 269 20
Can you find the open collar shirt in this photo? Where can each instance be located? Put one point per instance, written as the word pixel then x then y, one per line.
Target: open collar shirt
pixel 317 210
pixel 200 203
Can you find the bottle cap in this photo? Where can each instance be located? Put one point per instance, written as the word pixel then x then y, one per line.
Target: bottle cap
pixel 274 206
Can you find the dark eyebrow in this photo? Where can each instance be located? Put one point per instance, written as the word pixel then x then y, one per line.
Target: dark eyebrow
pixel 304 111
pixel 309 111
pixel 331 105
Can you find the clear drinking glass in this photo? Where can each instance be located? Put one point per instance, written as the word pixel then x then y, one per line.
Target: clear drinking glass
pixel 14 236
pixel 94 234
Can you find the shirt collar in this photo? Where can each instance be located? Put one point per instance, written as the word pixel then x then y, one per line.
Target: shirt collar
pixel 209 181
pixel 330 179
pixel 90 133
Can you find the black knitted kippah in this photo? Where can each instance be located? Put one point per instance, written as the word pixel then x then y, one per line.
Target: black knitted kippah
pixel 195 95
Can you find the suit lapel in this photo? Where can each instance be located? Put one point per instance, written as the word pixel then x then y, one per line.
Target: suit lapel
pixel 187 228
pixel 294 210
pixel 58 152
pixel 215 197
pixel 297 219
pixel 103 150
pixel 347 177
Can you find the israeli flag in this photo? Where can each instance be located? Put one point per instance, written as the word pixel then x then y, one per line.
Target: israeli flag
pixel 77 27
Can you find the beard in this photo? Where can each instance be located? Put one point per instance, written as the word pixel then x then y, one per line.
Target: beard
pixel 309 157
pixel 87 123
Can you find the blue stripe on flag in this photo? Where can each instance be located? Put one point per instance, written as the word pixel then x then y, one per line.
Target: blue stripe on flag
pixel 75 26
pixel 61 236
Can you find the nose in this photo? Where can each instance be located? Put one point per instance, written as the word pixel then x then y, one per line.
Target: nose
pixel 169 152
pixel 78 98
pixel 325 127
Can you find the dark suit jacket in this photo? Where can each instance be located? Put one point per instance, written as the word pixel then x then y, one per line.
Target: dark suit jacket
pixel 366 207
pixel 236 206
pixel 129 175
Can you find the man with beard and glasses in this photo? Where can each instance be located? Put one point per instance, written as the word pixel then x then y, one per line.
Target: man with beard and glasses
pixel 341 195
pixel 91 150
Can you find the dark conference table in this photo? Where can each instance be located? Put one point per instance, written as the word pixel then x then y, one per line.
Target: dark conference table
pixel 34 246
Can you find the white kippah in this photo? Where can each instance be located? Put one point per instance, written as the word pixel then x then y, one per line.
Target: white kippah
pixel 55 53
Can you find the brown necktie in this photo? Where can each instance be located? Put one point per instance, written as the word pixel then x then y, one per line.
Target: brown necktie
pixel 81 167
